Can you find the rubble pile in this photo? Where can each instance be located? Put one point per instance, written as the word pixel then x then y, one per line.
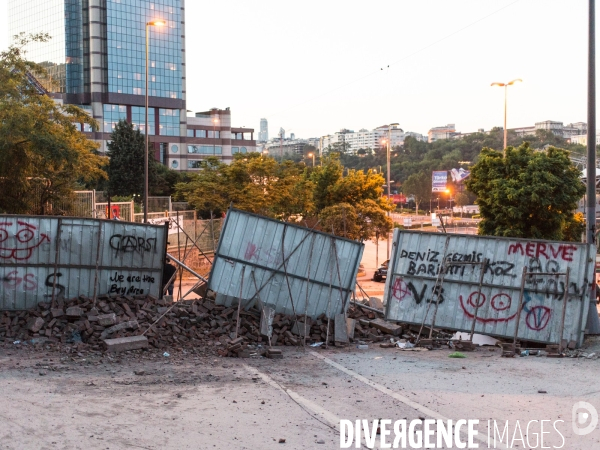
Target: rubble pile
pixel 196 324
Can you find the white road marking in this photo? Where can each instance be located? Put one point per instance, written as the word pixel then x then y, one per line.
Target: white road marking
pixel 321 412
pixel 417 406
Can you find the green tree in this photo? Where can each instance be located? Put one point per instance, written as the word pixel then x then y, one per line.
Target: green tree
pixel 43 156
pixel 419 186
pixel 126 165
pixel 252 182
pixel 525 193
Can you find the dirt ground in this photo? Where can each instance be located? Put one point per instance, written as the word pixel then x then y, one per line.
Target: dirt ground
pixel 146 400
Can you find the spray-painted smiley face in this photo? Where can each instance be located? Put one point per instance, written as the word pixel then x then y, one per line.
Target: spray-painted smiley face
pixel 19 243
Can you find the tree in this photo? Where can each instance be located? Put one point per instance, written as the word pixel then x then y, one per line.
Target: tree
pixel 126 167
pixel 526 194
pixel 252 182
pixel 419 186
pixel 43 156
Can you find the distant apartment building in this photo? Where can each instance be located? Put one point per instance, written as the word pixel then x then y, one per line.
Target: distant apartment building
pixel 582 139
pixel 352 141
pixel 417 136
pixel 558 128
pixel 263 134
pixel 439 133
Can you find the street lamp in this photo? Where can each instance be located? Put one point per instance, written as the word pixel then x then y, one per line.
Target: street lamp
pixel 215 121
pixel 313 158
pixel 389 182
pixel 506 85
pixel 154 23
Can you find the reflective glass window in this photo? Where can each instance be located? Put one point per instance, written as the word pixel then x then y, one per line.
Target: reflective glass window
pixel 126 47
pixel 194 163
pixel 235 150
pixel 112 115
pixel 205 149
pixel 168 122
pixel 138 118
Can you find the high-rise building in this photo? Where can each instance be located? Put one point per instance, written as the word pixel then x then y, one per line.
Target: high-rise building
pixel 96 59
pixel 263 134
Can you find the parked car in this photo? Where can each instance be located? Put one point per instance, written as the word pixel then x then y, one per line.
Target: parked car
pixel 381 273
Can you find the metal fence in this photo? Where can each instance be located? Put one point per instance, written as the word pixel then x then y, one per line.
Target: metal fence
pixel 292 269
pixel 507 287
pixel 54 258
pixel 118 211
pixel 159 204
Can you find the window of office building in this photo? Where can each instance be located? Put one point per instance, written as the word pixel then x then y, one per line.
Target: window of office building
pixel 205 149
pixel 112 115
pixel 201 133
pixel 126 47
pixel 235 150
pixel 63 55
pixel 194 163
pixel 168 122
pixel 190 133
pixel 138 118
pixel 174 164
pixel 214 134
pixel 164 151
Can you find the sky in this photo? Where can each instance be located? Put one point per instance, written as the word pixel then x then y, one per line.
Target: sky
pixel 317 66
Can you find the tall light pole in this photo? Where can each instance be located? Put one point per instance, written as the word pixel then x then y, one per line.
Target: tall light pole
pixel 215 121
pixel 506 85
pixel 157 23
pixel 389 178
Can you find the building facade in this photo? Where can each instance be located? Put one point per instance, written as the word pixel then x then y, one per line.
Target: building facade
pixel 96 60
pixel 558 128
pixel 438 133
pixel 263 134
pixel 352 141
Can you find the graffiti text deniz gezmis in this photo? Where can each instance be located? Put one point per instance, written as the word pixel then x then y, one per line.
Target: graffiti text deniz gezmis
pixel 416 267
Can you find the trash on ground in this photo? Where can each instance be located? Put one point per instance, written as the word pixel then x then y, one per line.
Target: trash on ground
pixel 456 355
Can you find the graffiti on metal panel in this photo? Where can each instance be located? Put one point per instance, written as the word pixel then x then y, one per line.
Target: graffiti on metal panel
pixel 272 256
pixel 58 290
pixel 430 263
pixel 552 286
pixel 564 252
pixel 19 239
pixel 130 280
pixel 402 290
pixel 17 281
pixel 129 243
pixel 499 304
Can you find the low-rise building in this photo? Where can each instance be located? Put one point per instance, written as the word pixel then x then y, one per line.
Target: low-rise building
pixel 438 133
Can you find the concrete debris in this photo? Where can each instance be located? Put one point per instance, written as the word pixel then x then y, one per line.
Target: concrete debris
pixel 126 343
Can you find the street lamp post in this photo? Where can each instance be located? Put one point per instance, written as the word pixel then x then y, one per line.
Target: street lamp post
pixel 215 121
pixel 389 178
pixel 506 85
pixel 157 23
pixel 313 158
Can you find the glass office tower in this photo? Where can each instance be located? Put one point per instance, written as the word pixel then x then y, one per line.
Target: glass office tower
pixel 96 59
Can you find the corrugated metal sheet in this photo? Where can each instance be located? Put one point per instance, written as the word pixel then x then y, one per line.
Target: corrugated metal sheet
pixel 416 261
pixel 45 257
pixel 321 268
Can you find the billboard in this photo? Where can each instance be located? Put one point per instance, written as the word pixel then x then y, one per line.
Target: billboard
pixel 51 258
pixel 491 299
pixel 438 181
pixel 290 268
